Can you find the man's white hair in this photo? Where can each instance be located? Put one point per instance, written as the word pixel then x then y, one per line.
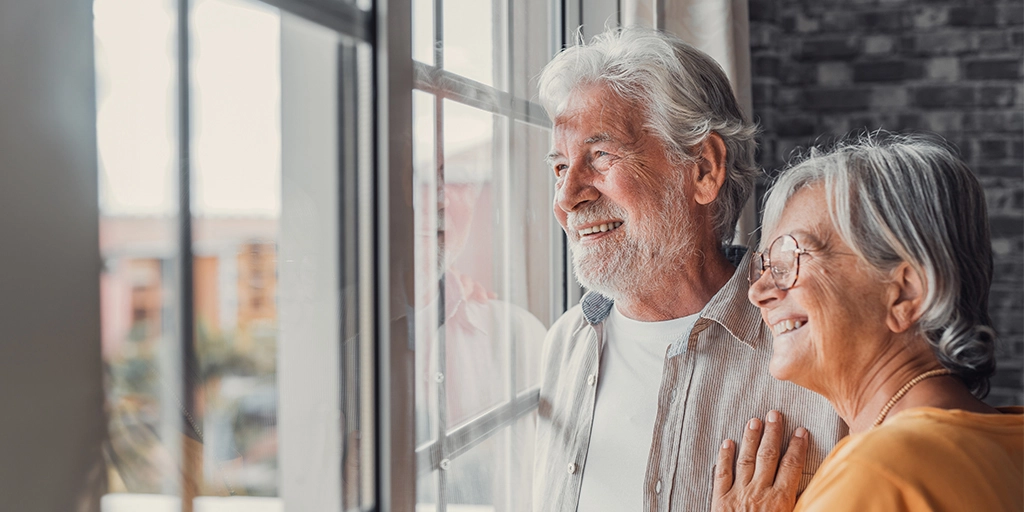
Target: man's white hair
pixel 684 95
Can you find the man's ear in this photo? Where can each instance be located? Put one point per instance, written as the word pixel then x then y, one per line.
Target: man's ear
pixel 906 295
pixel 710 169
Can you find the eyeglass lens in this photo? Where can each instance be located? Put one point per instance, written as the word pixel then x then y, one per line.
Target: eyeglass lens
pixel 782 257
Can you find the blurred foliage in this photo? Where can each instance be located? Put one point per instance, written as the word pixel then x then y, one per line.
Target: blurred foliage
pixel 138 460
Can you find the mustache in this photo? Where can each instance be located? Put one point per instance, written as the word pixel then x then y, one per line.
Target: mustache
pixel 595 212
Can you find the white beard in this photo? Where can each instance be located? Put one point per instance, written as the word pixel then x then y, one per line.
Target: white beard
pixel 649 249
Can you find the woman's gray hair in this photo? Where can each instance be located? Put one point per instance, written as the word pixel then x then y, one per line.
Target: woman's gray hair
pixel 685 95
pixel 905 198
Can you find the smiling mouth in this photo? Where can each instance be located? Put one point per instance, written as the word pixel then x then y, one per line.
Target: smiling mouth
pixel 787 326
pixel 600 228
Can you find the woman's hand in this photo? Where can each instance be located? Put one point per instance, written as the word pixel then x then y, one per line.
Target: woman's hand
pixel 761 481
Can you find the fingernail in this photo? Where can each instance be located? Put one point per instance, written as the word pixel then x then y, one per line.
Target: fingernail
pixel 801 432
pixel 773 416
pixel 725 444
pixel 753 424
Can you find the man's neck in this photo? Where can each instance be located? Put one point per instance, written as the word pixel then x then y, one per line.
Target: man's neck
pixel 678 294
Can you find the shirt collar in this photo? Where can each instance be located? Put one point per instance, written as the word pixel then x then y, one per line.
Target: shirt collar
pixel 729 307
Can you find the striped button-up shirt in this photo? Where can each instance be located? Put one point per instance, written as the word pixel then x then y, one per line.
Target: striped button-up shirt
pixel 714 380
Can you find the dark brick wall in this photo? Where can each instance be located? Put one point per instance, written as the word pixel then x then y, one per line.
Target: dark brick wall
pixel 824 68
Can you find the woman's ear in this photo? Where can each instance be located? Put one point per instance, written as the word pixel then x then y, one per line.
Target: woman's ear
pixel 710 169
pixel 906 295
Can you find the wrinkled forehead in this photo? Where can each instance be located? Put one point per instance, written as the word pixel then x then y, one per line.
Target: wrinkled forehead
pixel 597 112
pixel 805 213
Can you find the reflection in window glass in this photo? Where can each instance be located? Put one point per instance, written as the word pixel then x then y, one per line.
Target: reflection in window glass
pixel 477 341
pixel 488 269
pixel 475 349
pixel 473 476
pixel 537 243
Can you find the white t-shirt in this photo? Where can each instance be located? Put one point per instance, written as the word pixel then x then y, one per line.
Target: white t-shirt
pixel 627 404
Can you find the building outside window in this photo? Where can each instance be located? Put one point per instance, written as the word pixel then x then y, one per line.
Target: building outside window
pixel 250 313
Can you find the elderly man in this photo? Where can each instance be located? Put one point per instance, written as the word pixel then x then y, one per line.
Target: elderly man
pixel 664 357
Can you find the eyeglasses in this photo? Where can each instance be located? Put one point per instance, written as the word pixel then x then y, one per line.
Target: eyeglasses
pixel 783 260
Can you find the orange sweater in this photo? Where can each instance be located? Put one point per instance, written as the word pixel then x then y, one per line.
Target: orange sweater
pixel 926 459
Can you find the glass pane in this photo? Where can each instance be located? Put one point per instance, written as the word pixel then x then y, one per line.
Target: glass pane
pixel 494 475
pixel 484 274
pixel 534 35
pixel 476 351
pixel 236 208
pixel 426 491
pixel 423 35
pixel 535 251
pixel 136 136
pixel 476 479
pixel 470 31
pixel 280 111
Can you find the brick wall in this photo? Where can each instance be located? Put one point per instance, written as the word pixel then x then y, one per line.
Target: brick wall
pixel 824 68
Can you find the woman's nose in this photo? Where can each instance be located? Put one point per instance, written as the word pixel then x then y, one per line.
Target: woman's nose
pixel 762 291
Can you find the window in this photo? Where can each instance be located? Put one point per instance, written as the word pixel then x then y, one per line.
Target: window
pixel 486 248
pixel 294 215
pixel 233 139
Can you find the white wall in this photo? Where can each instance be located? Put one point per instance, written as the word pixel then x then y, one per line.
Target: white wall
pixel 51 396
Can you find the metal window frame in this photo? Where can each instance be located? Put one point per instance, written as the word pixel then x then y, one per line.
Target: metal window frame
pixel 385 236
pixel 385 218
pixel 359 25
pixel 443 84
pixel 433 80
pixel 344 18
pixel 393 257
pixel 186 314
pixel 566 15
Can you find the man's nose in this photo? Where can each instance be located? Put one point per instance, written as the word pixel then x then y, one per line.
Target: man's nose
pixel 577 188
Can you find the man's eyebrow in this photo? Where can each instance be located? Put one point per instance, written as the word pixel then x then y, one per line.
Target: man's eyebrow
pixel 593 139
pixel 552 156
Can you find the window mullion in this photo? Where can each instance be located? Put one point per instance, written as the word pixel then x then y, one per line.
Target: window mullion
pixel 479 429
pixel 394 256
pixel 191 467
pixel 434 80
pixel 442 386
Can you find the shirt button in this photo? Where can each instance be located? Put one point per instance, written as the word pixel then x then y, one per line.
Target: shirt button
pixel 572 468
pixel 591 379
pixel 657 487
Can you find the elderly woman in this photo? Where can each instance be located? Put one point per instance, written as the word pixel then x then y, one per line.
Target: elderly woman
pixel 874 279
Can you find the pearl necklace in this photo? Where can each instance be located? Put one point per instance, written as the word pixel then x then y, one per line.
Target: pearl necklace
pixel 906 387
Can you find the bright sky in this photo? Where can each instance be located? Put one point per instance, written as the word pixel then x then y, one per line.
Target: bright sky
pixel 236 140
pixel 236 80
